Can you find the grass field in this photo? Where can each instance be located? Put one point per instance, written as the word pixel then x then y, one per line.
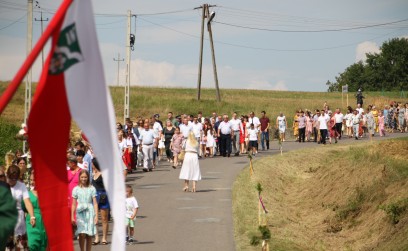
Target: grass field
pixel 337 198
pixel 146 101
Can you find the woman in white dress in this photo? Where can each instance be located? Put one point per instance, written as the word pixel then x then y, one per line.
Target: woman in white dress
pixel 191 168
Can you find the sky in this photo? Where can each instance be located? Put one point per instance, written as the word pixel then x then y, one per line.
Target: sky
pixel 267 45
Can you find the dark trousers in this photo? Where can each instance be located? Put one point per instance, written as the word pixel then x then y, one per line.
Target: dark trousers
pixel 302 134
pixel 315 134
pixel 323 134
pixel 338 128
pixel 225 144
pixel 169 153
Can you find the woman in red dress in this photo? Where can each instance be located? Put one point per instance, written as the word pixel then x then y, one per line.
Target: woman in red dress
pixel 332 128
pixel 242 134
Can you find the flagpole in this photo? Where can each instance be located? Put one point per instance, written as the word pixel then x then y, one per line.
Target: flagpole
pixel 15 83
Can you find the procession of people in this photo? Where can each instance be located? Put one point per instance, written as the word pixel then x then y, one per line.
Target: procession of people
pixel 183 141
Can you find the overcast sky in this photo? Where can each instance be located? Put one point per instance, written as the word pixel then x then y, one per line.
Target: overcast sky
pixel 263 53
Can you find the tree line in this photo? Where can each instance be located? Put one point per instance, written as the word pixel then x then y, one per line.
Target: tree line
pixel 383 71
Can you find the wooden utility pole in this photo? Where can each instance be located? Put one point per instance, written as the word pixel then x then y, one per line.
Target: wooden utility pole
pixel 213 55
pixel 206 14
pixel 200 62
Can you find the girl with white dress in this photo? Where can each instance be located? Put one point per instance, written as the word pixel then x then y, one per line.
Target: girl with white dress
pixel 161 147
pixel 191 168
pixel 210 144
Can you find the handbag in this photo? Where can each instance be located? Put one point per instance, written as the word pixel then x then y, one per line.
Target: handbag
pixel 181 155
pixel 103 198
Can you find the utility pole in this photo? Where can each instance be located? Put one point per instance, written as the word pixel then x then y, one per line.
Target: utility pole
pixel 213 53
pixel 127 84
pixel 200 62
pixel 206 14
pixel 37 4
pixel 118 60
pixel 27 97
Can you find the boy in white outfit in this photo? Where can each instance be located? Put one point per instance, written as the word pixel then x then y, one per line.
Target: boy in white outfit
pixel 131 211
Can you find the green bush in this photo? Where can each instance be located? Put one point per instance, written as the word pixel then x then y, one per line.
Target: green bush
pixel 7 139
pixel 395 210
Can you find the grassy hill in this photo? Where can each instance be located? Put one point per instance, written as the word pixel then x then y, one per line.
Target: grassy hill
pixel 146 101
pixel 337 198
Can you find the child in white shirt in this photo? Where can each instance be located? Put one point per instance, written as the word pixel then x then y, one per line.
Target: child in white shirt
pixel 131 211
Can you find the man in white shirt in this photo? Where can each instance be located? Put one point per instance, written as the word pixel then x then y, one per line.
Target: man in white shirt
pixel 157 128
pixel 323 127
pixel 185 128
pixel 355 119
pixel 339 117
pixel 359 109
pixel 236 126
pixel 225 132
pixel 147 138
pixel 315 123
pixel 254 120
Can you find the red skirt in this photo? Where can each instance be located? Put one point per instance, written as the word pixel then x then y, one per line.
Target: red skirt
pixel 128 159
pixel 241 137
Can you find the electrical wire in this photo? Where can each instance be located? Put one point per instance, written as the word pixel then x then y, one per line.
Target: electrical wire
pixel 166 12
pixel 268 49
pixel 13 22
pixel 311 31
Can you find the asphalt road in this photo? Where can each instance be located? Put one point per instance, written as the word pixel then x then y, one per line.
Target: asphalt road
pixel 170 219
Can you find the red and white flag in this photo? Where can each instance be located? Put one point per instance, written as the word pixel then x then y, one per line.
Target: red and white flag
pixel 72 84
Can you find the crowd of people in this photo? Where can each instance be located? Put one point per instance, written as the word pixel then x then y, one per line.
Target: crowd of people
pixel 147 141
pixel 181 140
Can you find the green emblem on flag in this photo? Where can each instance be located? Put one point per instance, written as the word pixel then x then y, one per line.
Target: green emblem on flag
pixel 67 51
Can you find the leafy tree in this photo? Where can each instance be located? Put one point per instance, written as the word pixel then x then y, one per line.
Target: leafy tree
pixel 387 70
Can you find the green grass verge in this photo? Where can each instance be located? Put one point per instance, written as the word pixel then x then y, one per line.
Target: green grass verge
pixel 340 197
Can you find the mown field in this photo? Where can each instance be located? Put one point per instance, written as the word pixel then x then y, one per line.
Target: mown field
pixel 146 101
pixel 328 198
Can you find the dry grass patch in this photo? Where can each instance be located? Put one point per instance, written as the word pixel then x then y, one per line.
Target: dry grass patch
pixel 329 198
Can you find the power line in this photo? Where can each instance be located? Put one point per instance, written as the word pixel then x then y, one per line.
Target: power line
pixel 311 31
pixel 166 12
pixel 267 49
pixel 13 22
pixel 260 15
